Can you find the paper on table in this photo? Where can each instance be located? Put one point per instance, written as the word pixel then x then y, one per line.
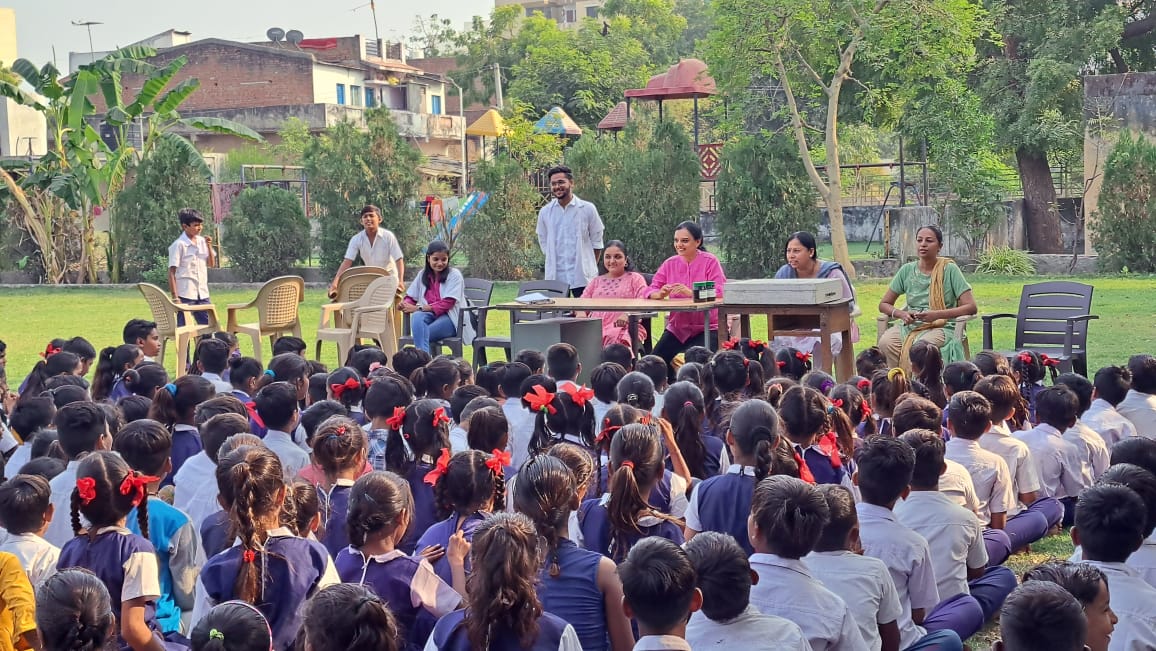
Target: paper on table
pixel 534 298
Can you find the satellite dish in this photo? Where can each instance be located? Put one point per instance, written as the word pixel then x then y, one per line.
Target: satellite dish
pixel 275 34
pixel 294 37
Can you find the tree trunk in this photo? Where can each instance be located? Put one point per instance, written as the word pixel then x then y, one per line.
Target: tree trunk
pixel 1041 219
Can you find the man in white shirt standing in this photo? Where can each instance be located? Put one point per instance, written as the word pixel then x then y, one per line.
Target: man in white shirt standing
pixel 1110 521
pixel 569 233
pixel 1110 387
pixel 376 246
pixel 1139 405
pixel 190 256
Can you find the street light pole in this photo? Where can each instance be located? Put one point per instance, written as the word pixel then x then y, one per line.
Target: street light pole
pixel 462 115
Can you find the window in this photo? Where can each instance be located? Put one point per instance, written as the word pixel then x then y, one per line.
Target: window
pixel 530 11
pixel 546 12
pixel 592 11
pixel 370 98
pixel 355 95
pixel 341 94
pixel 570 16
pixel 435 102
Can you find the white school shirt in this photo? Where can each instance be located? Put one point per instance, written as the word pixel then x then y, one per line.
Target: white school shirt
pixel 1094 457
pixel 21 456
pixel 662 643
pixel 192 475
pixel 60 529
pixel 568 237
pixel 190 258
pixel 1057 461
pixel 750 630
pixel 1143 560
pixel 1108 422
pixel 293 458
pixel 222 387
pixel 460 440
pixel 1134 602
pixel 1140 409
pixel 956 483
pixel 865 584
pixel 953 534
pixel 521 426
pixel 37 556
pixel 787 589
pixel 1018 457
pixel 989 474
pixel 907 557
pixel 383 252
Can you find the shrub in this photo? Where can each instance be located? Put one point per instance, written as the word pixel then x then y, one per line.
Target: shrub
pixel 348 168
pixel 266 233
pixel 1124 232
pixel 763 196
pixel 144 218
pixel 1005 261
pixel 644 183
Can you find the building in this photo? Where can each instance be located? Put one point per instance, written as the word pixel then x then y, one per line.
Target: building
pixel 167 38
pixel 320 81
pixel 23 130
pixel 568 13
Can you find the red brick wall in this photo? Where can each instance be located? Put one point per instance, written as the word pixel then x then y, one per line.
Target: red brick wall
pixel 223 71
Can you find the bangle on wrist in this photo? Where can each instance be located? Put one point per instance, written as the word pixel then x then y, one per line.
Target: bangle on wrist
pixel 892 311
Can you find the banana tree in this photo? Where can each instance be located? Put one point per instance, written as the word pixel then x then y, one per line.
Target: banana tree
pixel 80 170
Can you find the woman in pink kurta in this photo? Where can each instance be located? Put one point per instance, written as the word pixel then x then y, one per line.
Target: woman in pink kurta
pixel 619 281
pixel 674 279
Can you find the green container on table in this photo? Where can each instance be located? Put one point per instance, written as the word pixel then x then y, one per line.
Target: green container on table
pixel 704 291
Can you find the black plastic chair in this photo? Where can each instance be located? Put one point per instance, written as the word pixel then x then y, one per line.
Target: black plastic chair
pixel 1052 319
pixel 551 288
pixel 477 293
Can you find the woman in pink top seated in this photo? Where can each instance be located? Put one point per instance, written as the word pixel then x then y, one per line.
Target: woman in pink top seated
pixel 674 279
pixel 619 281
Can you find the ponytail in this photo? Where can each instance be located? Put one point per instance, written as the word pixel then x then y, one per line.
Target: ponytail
pixel 754 425
pixel 105 374
pixel 683 406
pixel 928 358
pixel 286 367
pixel 844 432
pixel 256 479
pixel 636 454
pixel 886 387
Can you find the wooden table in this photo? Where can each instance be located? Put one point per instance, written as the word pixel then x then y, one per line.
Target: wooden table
pixel 633 307
pixel 823 319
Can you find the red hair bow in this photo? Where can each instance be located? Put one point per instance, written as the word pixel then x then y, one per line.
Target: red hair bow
pixel 627 464
pixel 86 489
pixel 1026 358
pixel 866 410
pixel 829 444
pixel 730 344
pixel 580 395
pixel 804 471
pixel 757 345
pixel 397 419
pixel 838 403
pixel 864 384
pixel 352 384
pixel 248 556
pixel 439 469
pixel 439 417
pixel 781 364
pixel 540 399
pixel 135 484
pixel 498 461
pixel 803 357
pixel 49 351
pixel 1048 361
pixel 646 418
pixel 606 433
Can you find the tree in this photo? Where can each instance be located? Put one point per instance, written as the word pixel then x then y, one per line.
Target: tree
pixel 434 36
pixel 810 48
pixel 1031 86
pixel 349 168
pixel 763 195
pixel 268 232
pixel 654 23
pixel 1126 220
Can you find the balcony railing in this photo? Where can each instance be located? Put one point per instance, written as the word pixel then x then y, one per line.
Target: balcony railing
pixel 426 125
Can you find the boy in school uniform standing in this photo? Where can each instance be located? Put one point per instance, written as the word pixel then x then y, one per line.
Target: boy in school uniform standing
pixel 886 466
pixel 190 256
pixel 953 533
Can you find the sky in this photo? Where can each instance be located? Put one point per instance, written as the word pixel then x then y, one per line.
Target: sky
pixel 42 25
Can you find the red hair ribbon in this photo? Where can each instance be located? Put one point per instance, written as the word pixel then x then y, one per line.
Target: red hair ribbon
pixel 248 556
pixel 730 344
pixel 746 362
pixel 757 345
pixel 803 357
pixel 1025 357
pixel 439 469
pixel 829 444
pixel 580 395
pixel 251 407
pixel 781 364
pixel 440 418
pixel 135 484
pixel 340 429
pixel 804 471
pixel 627 464
pixel 606 433
pixel 49 351
pixel 540 399
pixel 866 410
pixel 646 418
pixel 498 461
pixel 352 384
pixel 864 384
pixel 1048 361
pixel 86 489
pixel 397 419
pixel 838 403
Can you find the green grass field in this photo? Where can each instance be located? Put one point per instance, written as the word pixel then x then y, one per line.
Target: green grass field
pixel 30 317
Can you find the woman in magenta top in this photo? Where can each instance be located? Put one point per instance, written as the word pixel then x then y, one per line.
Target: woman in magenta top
pixel 435 298
pixel 619 281
pixel 674 279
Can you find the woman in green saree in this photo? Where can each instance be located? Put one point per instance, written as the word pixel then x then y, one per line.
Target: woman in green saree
pixel 936 294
